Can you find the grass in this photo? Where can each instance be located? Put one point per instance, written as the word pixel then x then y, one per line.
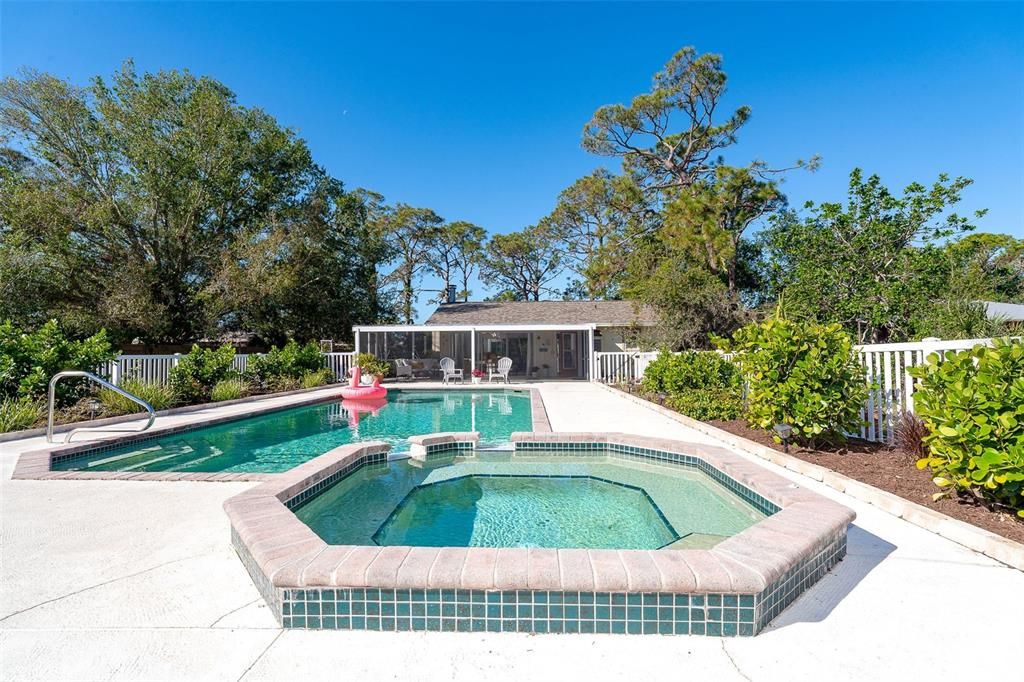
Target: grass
pixel 160 396
pixel 20 413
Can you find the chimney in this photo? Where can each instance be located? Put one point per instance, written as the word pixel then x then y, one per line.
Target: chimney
pixel 451 293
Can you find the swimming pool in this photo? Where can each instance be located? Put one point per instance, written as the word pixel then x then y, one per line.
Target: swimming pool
pixel 278 441
pixel 543 499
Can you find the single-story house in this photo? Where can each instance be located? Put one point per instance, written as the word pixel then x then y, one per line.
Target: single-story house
pixel 544 339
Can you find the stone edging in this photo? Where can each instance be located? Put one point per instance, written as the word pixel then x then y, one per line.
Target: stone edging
pixel 970 536
pixel 284 555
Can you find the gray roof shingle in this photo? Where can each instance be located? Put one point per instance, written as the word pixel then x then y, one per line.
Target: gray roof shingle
pixel 615 313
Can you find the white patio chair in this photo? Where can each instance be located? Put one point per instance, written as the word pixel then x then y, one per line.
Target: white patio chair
pixel 449 372
pixel 504 366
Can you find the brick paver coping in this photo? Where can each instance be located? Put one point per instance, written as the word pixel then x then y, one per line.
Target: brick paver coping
pixel 735 588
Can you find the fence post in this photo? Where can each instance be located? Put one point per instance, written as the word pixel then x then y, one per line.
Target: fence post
pixel 115 371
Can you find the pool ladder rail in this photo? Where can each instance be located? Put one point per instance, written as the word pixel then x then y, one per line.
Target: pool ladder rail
pixel 105 384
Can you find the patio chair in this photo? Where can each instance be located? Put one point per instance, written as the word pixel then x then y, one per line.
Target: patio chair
pixel 448 371
pixel 504 367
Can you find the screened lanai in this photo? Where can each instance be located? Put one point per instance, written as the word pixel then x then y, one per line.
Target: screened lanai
pixel 536 351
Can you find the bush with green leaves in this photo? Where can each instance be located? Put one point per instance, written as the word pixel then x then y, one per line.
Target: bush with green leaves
pixel 972 403
pixel 292 362
pixel 20 413
pixel 196 373
pixel 321 377
pixel 803 374
pixel 707 404
pixel 675 372
pixel 28 360
pixel 699 384
pixel 159 395
pixel 229 389
pixel 370 366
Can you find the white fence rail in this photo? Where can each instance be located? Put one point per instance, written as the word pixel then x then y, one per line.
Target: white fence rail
pixel 622 367
pixel 885 369
pixel 157 368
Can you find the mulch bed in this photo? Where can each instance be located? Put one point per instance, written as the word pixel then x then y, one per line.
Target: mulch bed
pixel 892 470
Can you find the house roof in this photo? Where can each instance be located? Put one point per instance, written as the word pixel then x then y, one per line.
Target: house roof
pixel 604 313
pixel 1009 312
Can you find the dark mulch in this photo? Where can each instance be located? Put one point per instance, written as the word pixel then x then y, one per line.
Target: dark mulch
pixel 894 471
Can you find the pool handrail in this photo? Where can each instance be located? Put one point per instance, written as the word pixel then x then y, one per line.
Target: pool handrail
pixel 51 396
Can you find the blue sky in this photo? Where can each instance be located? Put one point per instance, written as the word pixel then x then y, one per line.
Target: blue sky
pixel 475 110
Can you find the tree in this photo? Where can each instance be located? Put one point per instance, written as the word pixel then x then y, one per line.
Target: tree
pixel 138 194
pixel 412 232
pixel 311 277
pixel 865 264
pixel 644 135
pixel 455 256
pixel 522 263
pixel 708 221
pixel 593 219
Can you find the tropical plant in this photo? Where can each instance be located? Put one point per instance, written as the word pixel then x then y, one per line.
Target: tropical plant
pixel 20 413
pixel 229 389
pixel 799 373
pixel 973 405
pixel 369 365
pixel 28 360
pixel 159 395
pixel 198 372
pixel 320 377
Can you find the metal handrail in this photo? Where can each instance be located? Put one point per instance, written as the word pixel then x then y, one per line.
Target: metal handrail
pixel 102 382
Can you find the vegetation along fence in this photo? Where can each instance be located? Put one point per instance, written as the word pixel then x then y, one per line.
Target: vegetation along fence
pixel 885 368
pixel 157 368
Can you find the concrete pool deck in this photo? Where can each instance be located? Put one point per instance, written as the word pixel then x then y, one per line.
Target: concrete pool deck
pixel 130 580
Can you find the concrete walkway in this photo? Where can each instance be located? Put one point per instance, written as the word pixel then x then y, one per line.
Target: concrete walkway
pixel 109 580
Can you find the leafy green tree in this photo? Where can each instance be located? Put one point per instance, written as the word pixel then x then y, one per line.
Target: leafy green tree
pixel 522 263
pixel 455 256
pixel 139 197
pixel 861 264
pixel 668 138
pixel 594 219
pixel 709 221
pixel 412 232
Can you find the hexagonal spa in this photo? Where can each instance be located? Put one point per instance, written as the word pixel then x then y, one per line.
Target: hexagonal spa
pixel 567 533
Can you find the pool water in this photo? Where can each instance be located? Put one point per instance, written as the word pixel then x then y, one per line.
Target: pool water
pixel 500 499
pixel 280 440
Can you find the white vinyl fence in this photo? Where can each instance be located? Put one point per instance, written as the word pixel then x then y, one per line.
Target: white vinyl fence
pixel 885 369
pixel 157 368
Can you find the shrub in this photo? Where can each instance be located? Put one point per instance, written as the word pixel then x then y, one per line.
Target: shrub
pixel 675 372
pixel 229 389
pixel 973 405
pixel 702 385
pixel 28 360
pixel 159 396
pixel 291 362
pixel 799 373
pixel 371 366
pixel 706 404
pixel 20 413
pixel 196 373
pixel 321 377
pixel 910 434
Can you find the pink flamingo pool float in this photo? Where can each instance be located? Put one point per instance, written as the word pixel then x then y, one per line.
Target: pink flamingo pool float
pixel 355 391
